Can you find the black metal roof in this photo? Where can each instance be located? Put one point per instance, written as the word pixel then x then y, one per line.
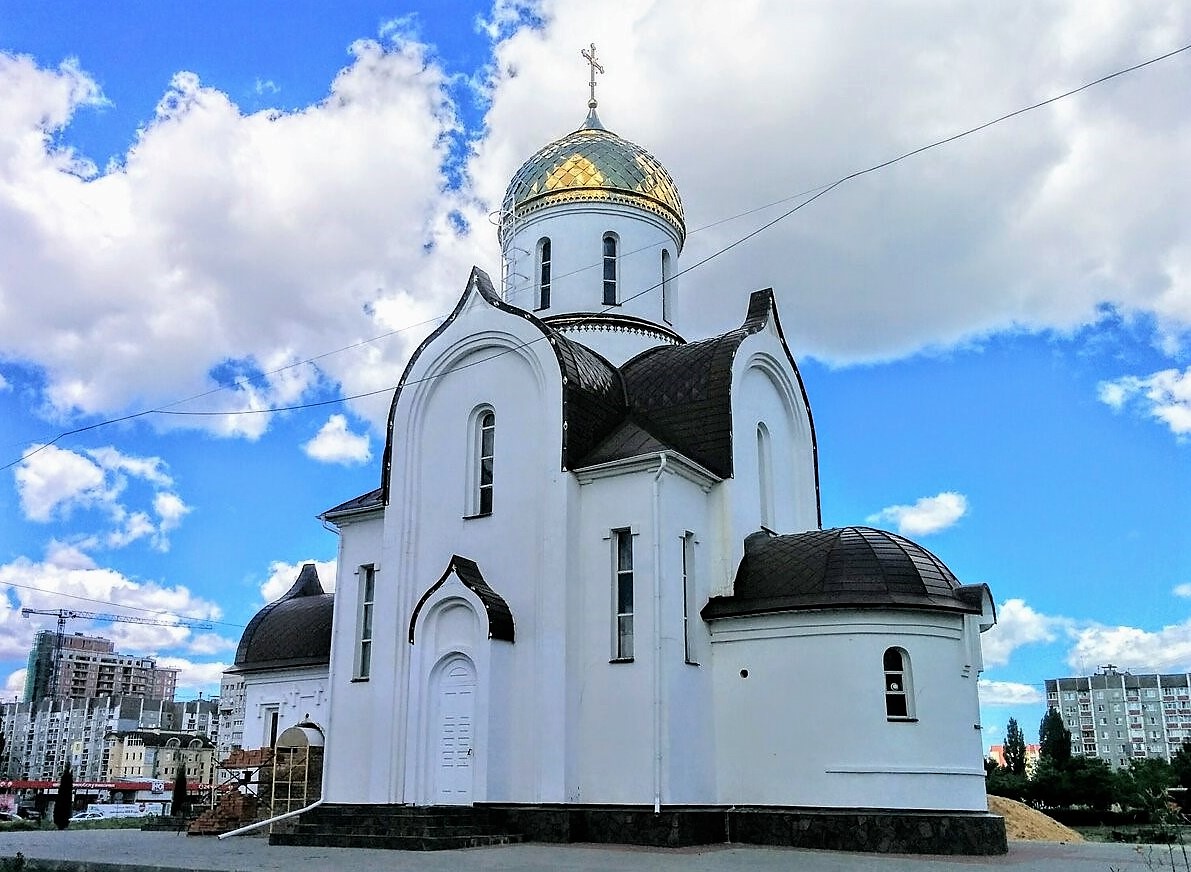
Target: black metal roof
pixel 500 617
pixel 363 502
pixel 292 631
pixel 845 567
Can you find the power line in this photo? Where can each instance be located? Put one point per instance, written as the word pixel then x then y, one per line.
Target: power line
pixel 817 193
pixel 164 613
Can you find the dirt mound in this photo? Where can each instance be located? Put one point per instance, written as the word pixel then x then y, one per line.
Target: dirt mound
pixel 1023 822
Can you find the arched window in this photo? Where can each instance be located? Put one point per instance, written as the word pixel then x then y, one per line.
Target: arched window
pixel 610 244
pixel 765 475
pixel 483 442
pixel 667 316
pixel 543 296
pixel 899 697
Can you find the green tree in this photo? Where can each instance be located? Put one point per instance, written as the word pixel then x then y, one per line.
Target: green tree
pixel 180 801
pixel 1015 748
pixel 1180 765
pixel 1054 739
pixel 1143 785
pixel 64 799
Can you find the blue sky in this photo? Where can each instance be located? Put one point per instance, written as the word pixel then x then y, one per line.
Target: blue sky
pixel 195 200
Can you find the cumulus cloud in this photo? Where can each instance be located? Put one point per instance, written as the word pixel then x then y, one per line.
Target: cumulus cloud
pixel 282 576
pixel 66 574
pixel 334 443
pixel 1182 590
pixel 4 384
pixel 1164 395
pixel 53 482
pixel 1007 693
pixel 1165 650
pixel 14 686
pixel 928 515
pixel 1018 624
pixel 234 245
pixel 194 677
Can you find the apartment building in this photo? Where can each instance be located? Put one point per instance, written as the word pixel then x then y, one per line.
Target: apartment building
pixel 1119 716
pixel 90 666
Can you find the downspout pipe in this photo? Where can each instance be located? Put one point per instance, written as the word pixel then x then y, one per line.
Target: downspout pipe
pixel 657 633
pixel 326 757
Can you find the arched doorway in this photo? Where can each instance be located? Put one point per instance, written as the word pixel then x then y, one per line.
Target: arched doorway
pixel 452 731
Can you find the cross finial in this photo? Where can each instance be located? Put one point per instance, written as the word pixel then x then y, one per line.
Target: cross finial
pixel 590 56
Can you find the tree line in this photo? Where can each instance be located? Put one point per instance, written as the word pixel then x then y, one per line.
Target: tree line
pixel 1064 780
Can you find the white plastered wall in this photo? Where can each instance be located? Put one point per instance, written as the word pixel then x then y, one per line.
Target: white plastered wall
pixel 800 712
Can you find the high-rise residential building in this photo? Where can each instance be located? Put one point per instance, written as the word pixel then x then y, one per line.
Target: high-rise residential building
pixel 1119 716
pixel 40 738
pixel 89 666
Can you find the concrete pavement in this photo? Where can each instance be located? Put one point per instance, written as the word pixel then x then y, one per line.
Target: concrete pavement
pixel 134 851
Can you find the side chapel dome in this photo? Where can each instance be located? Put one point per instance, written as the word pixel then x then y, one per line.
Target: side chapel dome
pixel 292 631
pixel 592 164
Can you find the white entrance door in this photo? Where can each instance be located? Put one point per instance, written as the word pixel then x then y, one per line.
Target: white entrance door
pixel 456 730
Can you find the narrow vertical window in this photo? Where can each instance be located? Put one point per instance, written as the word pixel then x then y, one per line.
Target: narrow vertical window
pixel 667 315
pixel 543 301
pixel 898 699
pixel 765 475
pixel 364 634
pixel 486 448
pixel 610 298
pixel 688 595
pixel 622 542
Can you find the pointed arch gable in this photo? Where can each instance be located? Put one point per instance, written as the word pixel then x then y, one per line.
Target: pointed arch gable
pixel 500 617
pixel 593 392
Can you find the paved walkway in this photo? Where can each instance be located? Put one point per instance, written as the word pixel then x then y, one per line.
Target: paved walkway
pixel 134 851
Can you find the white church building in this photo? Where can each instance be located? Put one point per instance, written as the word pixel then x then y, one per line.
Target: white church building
pixel 594 574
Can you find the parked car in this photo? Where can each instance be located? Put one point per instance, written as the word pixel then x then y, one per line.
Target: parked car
pixel 87 816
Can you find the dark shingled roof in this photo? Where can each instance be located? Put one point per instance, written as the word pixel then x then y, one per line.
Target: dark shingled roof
pixel 593 398
pixel 500 618
pixel 292 631
pixel 846 567
pixel 363 502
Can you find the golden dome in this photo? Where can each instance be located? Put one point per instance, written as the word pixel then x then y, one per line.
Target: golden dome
pixel 594 164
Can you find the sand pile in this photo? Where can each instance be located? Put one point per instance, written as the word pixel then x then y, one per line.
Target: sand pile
pixel 1023 822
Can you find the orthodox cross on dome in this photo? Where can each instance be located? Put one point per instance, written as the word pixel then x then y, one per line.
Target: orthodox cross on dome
pixel 589 55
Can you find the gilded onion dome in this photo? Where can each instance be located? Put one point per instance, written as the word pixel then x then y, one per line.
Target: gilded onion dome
pixel 593 164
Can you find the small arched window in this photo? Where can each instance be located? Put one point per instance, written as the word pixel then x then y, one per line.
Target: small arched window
pixel 610 265
pixel 899 697
pixel 543 283
pixel 483 447
pixel 667 316
pixel 765 475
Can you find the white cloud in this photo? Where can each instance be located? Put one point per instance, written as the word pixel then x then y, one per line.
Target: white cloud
pixel 265 86
pixel 283 575
pixel 1182 590
pixel 1164 395
pixel 336 444
pixel 68 571
pixel 1007 693
pixel 258 239
pixel 928 515
pixel 1164 650
pixel 4 383
pixel 195 676
pixel 53 482
pixel 1018 624
pixel 14 686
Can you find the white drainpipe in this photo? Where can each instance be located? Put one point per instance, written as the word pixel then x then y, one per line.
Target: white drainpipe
pixel 657 634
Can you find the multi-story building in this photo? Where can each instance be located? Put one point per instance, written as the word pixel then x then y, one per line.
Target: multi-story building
pixel 232 700
pixel 157 755
pixel 89 666
pixel 40 738
pixel 1118 716
pixel 1033 754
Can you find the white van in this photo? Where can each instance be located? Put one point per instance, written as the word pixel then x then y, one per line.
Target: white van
pixel 120 809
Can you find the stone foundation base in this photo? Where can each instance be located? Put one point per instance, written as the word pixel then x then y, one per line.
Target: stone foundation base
pixel 875 830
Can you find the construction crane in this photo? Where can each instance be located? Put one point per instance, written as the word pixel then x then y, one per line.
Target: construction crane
pixel 64 615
